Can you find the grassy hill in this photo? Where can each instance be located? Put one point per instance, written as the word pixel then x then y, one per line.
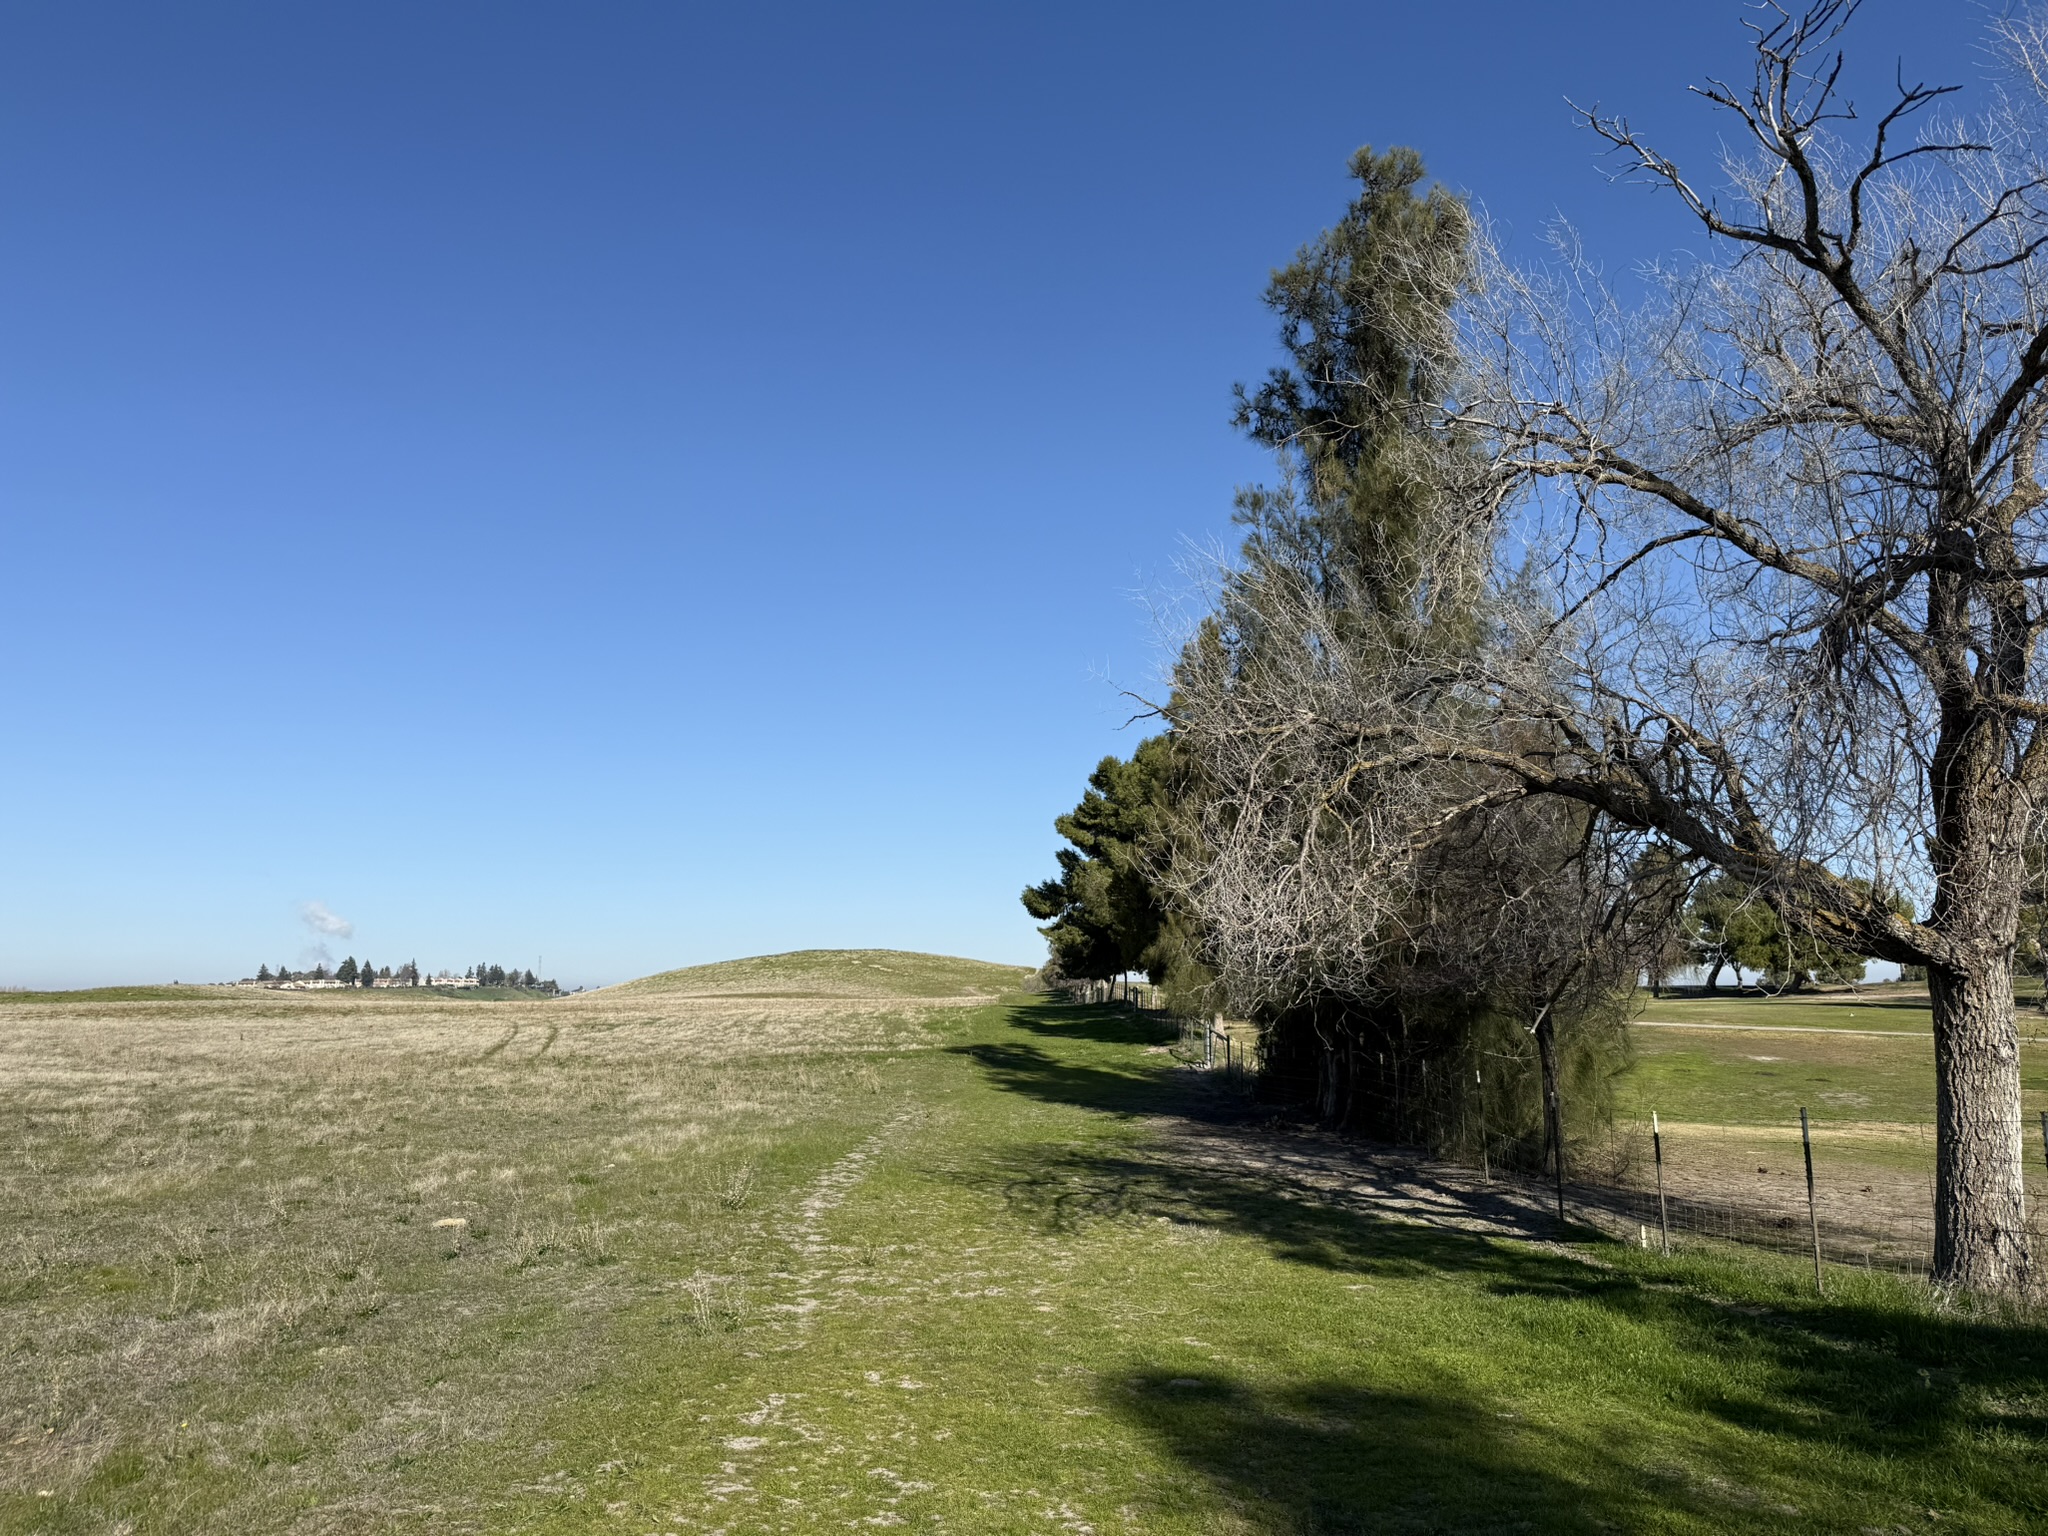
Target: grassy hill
pixel 836 973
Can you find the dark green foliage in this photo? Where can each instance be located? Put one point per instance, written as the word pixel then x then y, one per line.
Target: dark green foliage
pixel 1729 925
pixel 346 973
pixel 1352 306
pixel 1106 914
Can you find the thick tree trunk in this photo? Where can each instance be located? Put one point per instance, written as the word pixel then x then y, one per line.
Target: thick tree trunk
pixel 1980 822
pixel 1980 1239
pixel 1714 976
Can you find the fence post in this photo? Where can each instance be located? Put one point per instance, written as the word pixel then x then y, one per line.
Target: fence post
pixel 2044 1135
pixel 1485 1158
pixel 1812 1212
pixel 1663 1216
pixel 1209 1042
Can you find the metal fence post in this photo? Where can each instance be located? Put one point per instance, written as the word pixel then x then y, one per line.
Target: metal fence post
pixel 1812 1212
pixel 1663 1216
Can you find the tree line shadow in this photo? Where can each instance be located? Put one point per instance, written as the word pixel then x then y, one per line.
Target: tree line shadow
pixel 1897 1397
pixel 1122 1083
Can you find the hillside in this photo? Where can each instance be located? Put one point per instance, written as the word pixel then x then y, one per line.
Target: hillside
pixel 835 973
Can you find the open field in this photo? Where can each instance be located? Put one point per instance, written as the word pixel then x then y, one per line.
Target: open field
pixel 760 1264
pixel 1728 1077
pixel 1891 1006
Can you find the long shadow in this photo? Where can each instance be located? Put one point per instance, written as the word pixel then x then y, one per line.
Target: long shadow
pixel 1329 1456
pixel 1133 1090
pixel 1899 1387
pixel 1122 1082
pixel 1108 1025
pixel 1922 1406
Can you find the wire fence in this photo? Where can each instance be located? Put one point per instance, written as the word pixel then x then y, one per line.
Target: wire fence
pixel 1845 1192
pixel 1211 1042
pixel 1853 1192
pixel 1141 994
pixel 1859 1193
pixel 1841 1191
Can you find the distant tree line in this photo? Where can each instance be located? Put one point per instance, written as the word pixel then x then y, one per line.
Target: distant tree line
pixel 498 976
pixel 350 973
pixel 354 973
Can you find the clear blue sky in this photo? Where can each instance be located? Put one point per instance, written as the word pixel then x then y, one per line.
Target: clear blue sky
pixel 643 483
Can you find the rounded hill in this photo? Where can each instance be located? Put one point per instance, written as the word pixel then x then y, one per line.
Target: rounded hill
pixel 836 973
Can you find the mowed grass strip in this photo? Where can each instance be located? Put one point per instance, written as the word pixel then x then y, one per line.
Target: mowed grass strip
pixel 1890 1006
pixel 1013 1311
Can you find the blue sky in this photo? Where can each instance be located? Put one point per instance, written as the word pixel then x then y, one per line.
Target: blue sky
pixel 644 483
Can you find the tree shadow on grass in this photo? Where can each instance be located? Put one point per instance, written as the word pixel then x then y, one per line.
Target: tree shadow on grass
pixel 1139 1088
pixel 1330 1456
pixel 1113 1081
pixel 1110 1024
pixel 1867 1402
pixel 1895 1405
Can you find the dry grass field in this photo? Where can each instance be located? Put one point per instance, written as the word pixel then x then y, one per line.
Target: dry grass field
pixel 271 1252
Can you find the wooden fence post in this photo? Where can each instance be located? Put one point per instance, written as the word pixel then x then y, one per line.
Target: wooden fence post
pixel 1663 1216
pixel 1812 1212
pixel 1485 1157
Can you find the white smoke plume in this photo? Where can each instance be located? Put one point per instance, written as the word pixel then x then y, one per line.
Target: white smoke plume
pixel 314 915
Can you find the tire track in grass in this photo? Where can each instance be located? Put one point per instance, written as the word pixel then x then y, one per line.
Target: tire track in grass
pixel 805 1235
pixel 812 1266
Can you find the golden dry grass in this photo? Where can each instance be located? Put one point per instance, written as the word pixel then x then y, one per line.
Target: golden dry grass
pixel 267 1251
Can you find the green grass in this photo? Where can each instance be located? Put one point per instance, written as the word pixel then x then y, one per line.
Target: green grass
pixel 1881 1008
pixel 1758 1076
pixel 1759 1079
pixel 112 995
pixel 1029 1317
pixel 952 1277
pixel 1730 1099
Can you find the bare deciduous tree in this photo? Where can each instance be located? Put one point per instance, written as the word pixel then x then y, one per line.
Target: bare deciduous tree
pixel 1767 565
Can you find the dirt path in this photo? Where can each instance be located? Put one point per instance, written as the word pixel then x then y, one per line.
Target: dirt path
pixel 1297 1163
